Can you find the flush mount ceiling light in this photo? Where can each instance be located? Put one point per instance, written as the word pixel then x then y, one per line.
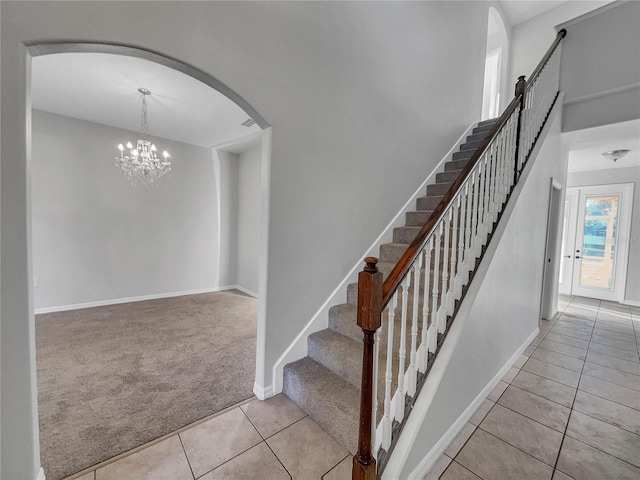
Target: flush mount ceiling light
pixel 141 165
pixel 615 154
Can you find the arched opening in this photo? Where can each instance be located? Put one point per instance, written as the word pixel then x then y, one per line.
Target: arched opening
pixel 234 164
pixel 494 93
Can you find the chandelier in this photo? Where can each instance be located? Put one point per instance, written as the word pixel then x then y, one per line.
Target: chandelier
pixel 141 165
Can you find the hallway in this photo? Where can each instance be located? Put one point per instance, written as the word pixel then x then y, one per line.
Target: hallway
pixel 569 407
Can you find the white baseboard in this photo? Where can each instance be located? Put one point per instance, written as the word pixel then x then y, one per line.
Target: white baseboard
pixel 320 320
pixel 633 303
pixel 427 463
pixel 41 474
pixel 263 392
pixel 244 290
pixel 116 301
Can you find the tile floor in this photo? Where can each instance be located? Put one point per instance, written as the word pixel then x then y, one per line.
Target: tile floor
pixel 273 439
pixel 568 408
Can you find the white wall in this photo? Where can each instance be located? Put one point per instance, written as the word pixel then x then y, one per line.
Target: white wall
pixel 506 308
pixel 225 166
pixel 249 175
pixel 612 176
pixel 363 100
pixel 97 238
pixel 599 70
pixel 531 39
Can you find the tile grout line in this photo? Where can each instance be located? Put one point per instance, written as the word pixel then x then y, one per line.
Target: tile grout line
pixel 187 457
pixel 270 436
pixel 335 466
pixel 517 448
pixel 564 435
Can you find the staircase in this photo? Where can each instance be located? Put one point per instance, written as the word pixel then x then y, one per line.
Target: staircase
pixel 363 374
pixel 326 383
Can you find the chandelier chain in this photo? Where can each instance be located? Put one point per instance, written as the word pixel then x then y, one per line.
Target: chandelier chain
pixel 144 124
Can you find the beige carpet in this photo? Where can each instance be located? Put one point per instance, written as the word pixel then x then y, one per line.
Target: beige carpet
pixel 112 378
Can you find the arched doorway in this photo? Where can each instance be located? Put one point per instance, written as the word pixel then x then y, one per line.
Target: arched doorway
pixel 50 49
pixel 495 92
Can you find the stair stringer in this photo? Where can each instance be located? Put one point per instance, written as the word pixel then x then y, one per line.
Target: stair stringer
pixel 320 320
pixel 398 465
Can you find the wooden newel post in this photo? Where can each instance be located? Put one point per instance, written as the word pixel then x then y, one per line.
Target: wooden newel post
pixel 520 90
pixel 369 319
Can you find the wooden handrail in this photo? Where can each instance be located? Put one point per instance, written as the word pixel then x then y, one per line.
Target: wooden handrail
pixel 400 270
pixel 393 280
pixel 561 34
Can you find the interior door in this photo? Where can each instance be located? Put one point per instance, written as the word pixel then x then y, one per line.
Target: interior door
pixel 568 241
pixel 598 258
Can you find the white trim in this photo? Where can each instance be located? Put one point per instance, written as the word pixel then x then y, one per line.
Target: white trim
pixel 604 93
pixel 262 375
pixel 41 474
pixel 633 303
pixel 244 290
pixel 438 449
pixel 263 393
pixel 116 301
pixel 320 320
pixel 588 15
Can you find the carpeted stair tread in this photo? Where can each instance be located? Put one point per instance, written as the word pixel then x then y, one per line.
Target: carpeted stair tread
pixel 456 164
pixel 326 383
pixel 470 145
pixel 438 188
pixel 417 218
pixel 463 155
pixel 448 176
pixel 339 353
pixel 329 399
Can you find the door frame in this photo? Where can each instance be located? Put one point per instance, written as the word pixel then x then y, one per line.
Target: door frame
pixel 549 297
pixel 625 212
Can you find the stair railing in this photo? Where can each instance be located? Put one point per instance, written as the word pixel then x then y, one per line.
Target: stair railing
pixel 423 291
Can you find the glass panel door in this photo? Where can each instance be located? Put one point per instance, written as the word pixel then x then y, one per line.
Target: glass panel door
pixel 599 241
pixel 598 266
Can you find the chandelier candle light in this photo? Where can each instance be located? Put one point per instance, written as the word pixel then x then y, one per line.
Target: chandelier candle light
pixel 141 165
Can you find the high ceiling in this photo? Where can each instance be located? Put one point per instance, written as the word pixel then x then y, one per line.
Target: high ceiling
pixel 103 88
pixel 518 11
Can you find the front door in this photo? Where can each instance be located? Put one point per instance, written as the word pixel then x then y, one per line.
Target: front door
pixel 595 241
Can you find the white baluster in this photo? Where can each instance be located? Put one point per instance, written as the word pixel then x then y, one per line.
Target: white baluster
pixel 450 302
pixel 376 354
pixel 486 217
pixel 388 376
pixel 435 306
pixel 497 199
pixel 402 353
pixel 461 240
pixel 475 217
pixel 424 345
pixel 481 230
pixel 468 230
pixel 416 270
pixel 491 162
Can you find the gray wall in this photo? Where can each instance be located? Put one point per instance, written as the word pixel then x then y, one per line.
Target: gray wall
pixel 599 70
pixel 97 238
pixel 611 176
pixel 249 175
pixel 225 165
pixel 363 101
pixel 507 306
pixel 532 38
